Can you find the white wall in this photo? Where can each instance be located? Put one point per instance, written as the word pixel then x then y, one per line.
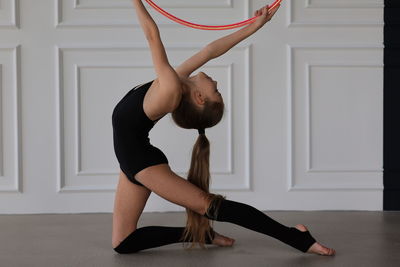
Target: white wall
pixel 304 99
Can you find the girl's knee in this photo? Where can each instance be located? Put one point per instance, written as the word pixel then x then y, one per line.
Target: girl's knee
pixel 214 203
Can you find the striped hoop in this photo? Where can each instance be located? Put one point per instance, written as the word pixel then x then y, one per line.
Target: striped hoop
pixel 206 27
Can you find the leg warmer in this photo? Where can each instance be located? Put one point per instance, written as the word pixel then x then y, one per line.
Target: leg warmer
pixel 152 236
pixel 253 219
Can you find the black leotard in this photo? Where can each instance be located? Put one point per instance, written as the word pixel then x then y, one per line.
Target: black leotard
pixel 131 127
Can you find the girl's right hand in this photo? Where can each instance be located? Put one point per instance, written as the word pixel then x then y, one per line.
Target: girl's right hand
pixel 264 15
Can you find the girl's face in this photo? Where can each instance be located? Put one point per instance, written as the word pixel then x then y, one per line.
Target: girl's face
pixel 207 87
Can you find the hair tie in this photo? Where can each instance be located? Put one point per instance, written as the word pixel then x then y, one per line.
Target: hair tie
pixel 201 131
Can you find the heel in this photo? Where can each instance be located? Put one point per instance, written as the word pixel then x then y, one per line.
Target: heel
pixel 302 240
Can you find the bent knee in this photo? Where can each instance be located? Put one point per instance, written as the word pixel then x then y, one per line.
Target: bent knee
pixel 115 244
pixel 120 250
pixel 118 238
pixel 213 207
pixel 125 248
pixel 207 200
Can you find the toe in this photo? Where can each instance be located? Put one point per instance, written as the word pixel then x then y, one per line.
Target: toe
pixel 328 251
pixel 229 241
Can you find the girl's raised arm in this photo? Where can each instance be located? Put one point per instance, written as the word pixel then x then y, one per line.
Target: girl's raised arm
pixel 222 45
pixel 167 77
pixel 146 21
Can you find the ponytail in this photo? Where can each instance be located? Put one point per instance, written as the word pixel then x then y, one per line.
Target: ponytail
pixel 197 225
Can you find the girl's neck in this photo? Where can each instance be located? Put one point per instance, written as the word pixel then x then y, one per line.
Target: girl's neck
pixel 187 85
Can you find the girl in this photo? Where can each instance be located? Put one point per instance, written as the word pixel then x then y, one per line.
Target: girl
pixel 195 103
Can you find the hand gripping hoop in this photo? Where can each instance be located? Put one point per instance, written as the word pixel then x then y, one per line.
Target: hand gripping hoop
pixel 206 27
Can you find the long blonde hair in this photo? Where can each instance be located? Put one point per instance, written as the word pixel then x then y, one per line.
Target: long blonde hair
pixel 188 116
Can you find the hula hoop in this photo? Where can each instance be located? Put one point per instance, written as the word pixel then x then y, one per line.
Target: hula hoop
pixel 206 27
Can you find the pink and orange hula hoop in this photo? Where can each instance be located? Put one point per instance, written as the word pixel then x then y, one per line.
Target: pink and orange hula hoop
pixel 206 27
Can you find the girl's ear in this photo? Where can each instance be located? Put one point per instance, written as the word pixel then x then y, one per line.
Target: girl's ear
pixel 199 98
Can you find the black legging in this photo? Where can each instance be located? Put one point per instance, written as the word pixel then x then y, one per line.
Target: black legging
pixel 228 211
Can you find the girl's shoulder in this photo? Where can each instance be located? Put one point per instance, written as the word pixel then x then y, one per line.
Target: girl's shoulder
pixel 158 102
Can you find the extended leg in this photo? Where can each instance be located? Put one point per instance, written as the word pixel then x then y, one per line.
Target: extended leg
pixel 251 218
pixel 164 182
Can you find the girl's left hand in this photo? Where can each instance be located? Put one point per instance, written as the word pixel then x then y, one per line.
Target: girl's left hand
pixel 264 15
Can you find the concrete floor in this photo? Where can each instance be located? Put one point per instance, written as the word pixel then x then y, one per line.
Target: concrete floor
pixel 359 238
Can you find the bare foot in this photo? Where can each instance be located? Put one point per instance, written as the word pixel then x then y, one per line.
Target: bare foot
pixel 222 241
pixel 317 248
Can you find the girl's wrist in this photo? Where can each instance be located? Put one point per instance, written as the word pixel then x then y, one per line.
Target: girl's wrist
pixel 255 26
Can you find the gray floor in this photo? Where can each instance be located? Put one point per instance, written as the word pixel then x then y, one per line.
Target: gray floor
pixel 360 239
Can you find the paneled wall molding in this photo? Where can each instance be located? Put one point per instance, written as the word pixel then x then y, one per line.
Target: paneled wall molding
pixel 344 4
pixel 316 178
pixel 302 100
pixel 97 14
pixel 9 14
pixel 10 121
pixel 327 64
pixel 122 4
pixel 323 13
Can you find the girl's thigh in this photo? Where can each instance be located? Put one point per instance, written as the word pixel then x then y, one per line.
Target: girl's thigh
pixel 161 180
